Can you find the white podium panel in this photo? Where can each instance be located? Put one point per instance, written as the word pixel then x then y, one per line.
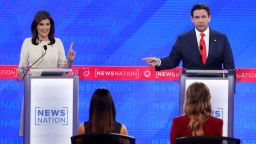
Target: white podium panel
pixel 50 110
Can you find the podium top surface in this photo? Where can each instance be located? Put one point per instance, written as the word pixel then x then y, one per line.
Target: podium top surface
pixel 205 71
pixel 208 73
pixel 49 72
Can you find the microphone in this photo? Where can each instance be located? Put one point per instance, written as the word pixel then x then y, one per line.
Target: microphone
pixel 201 47
pixel 45 49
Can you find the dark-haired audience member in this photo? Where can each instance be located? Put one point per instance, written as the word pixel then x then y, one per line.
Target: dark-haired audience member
pixel 102 115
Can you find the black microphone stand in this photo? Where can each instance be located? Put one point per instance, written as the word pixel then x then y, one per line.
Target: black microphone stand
pixel 45 49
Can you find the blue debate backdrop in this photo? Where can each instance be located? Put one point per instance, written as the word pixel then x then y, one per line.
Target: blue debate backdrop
pixel 121 33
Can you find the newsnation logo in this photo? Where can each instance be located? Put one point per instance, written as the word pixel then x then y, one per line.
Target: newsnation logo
pixel 51 116
pixel 217 112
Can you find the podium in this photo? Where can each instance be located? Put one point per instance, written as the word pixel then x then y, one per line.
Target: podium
pixel 221 84
pixel 50 109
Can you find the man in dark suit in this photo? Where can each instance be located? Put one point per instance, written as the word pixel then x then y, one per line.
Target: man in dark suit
pixel 200 48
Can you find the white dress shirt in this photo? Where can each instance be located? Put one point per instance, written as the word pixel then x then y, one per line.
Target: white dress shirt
pixel 206 39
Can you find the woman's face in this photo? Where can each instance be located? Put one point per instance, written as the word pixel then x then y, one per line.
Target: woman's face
pixel 43 29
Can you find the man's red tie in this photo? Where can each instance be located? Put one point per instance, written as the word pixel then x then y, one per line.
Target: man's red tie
pixel 202 48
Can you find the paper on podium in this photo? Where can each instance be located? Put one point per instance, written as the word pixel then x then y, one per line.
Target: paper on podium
pixel 49 72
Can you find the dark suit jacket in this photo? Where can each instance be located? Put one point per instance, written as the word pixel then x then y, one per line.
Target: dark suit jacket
pixel 212 127
pixel 186 50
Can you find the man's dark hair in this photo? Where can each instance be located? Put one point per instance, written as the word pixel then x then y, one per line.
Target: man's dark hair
pixel 199 7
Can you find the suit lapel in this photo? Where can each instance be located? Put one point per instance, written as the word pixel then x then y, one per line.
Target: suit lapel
pixel 212 45
pixel 195 45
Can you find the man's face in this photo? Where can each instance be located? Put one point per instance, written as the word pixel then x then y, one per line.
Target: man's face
pixel 201 19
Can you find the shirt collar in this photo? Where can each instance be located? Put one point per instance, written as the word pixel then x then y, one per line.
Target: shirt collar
pixel 206 32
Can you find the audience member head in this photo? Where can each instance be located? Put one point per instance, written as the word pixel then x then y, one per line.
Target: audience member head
pixel 102 111
pixel 197 106
pixel 37 24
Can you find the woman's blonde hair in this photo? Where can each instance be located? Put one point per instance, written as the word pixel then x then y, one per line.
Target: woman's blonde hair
pixel 197 106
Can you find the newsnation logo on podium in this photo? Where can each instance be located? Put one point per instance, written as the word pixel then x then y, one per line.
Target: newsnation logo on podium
pixel 51 116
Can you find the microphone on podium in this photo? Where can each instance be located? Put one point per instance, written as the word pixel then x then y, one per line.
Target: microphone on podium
pixel 201 48
pixel 45 49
